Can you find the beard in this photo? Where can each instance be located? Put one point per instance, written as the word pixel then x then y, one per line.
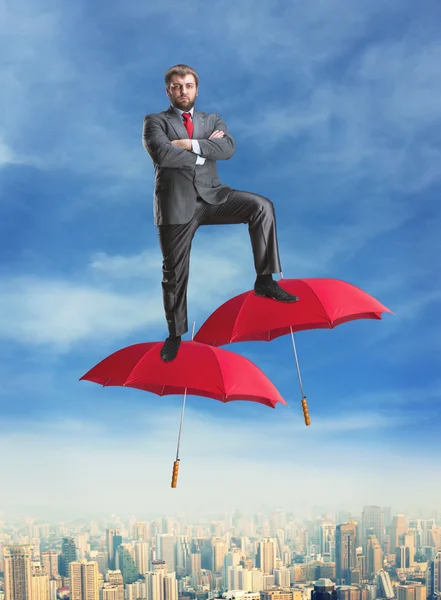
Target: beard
pixel 184 104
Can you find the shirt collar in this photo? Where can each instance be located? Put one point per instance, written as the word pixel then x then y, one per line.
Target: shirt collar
pixel 180 112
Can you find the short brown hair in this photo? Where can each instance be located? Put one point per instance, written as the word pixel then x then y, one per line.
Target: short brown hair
pixel 180 70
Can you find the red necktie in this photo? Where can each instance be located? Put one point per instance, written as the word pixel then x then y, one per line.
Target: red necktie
pixel 188 124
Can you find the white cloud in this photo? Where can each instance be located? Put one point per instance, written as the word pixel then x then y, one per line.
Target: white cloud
pixel 77 128
pixel 64 312
pixel 6 155
pixel 225 463
pixel 38 311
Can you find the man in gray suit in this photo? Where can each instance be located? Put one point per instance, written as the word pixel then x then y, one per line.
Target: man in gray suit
pixel 184 145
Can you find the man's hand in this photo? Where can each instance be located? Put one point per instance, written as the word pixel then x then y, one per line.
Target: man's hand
pixel 185 144
pixel 216 134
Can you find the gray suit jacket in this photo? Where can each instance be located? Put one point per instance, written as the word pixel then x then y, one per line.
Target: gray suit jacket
pixel 178 180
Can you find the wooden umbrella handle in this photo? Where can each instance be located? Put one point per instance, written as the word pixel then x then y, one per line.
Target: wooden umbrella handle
pixel 305 411
pixel 175 474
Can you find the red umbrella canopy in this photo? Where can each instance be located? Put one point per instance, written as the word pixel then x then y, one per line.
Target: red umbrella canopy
pixel 199 369
pixel 324 304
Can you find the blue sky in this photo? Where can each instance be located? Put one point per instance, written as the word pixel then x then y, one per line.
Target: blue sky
pixel 334 107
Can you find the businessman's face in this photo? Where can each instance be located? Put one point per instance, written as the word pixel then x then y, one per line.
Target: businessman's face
pixel 182 91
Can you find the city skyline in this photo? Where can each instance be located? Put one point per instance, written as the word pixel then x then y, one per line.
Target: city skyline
pixel 271 556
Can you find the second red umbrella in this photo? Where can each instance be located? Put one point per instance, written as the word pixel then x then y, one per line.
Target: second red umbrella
pixel 324 304
pixel 198 370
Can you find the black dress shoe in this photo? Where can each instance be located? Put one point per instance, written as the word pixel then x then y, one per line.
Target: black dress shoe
pixel 170 348
pixel 273 290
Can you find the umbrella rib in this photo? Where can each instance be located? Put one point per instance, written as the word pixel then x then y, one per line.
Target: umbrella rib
pixel 221 374
pixel 239 312
pixel 138 361
pixel 321 303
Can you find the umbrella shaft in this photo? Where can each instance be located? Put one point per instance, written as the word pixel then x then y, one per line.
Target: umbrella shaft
pixel 297 363
pixel 180 425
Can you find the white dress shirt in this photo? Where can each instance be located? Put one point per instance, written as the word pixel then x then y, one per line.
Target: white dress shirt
pixel 194 143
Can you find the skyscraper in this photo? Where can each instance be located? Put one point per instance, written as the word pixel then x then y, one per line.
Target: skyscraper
pixel 327 537
pixel 345 551
pixel 18 572
pixel 170 587
pixel 436 577
pixel 142 556
pixel 113 541
pixel 141 531
pixel 267 555
pixel 127 564
pixel 218 552
pixel 68 555
pixel 324 589
pixel 165 550
pixel 397 530
pixel 40 583
pixel 49 561
pixel 372 523
pixel 384 585
pixel 411 591
pixel 84 580
pixel 374 556
pixel 182 555
pixel 154 583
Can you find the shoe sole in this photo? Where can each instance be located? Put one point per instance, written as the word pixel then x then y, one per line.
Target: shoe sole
pixel 272 298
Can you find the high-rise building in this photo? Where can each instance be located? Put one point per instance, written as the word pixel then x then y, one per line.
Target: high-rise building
pixel 154 583
pixel 40 583
pixel 404 558
pixel 68 555
pixel 324 589
pixel 182 555
pixel 282 577
pixel 327 538
pixel 387 516
pixel 266 556
pixel 49 561
pixel 113 541
pixel 142 556
pixel 348 592
pixel 170 587
pixel 127 564
pixel 218 552
pixel 136 591
pixel 374 556
pixel 411 591
pixel 84 580
pixel 165 550
pixel 398 529
pixel 281 594
pixel 384 585
pixel 141 531
pixel 195 562
pixel 345 551
pixel 115 577
pixel 372 522
pixel 18 572
pixel 436 577
pixel 112 592
pixel 82 544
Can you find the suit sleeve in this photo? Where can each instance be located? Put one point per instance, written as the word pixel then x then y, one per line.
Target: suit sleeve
pixel 161 150
pixel 220 148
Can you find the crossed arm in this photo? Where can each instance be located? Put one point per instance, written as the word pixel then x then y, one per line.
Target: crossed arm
pixel 178 153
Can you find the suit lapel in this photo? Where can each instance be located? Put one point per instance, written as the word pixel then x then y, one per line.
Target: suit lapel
pixel 176 123
pixel 198 123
